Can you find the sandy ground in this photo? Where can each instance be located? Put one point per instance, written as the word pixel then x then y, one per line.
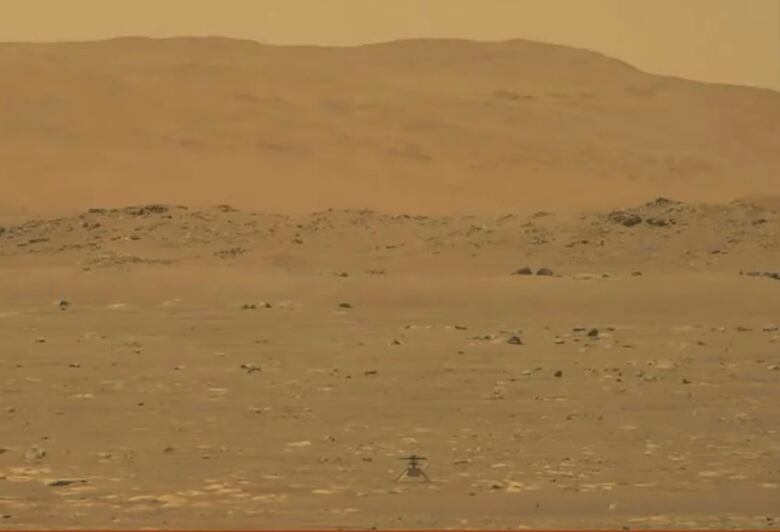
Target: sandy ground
pixel 216 368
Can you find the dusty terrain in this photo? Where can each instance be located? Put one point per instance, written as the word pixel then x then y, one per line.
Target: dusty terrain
pixel 225 368
pixel 170 361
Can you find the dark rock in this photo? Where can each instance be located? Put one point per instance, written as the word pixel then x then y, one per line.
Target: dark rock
pixel 515 340
pixel 61 483
pixel 251 368
pixel 345 305
pixel 146 210
pixel 627 219
pixel 544 271
pixel 593 333
pixel 660 202
pixel 524 271
pixel 558 374
pixel 229 253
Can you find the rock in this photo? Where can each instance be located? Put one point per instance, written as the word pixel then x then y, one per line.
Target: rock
pixel 514 340
pixel 249 306
pixel 345 305
pixel 229 253
pixel 40 340
pixel 558 374
pixel 659 222
pixel 62 482
pixel 544 271
pixel 771 328
pixel 626 219
pixel 636 274
pixel 524 271
pixel 251 368
pixel 146 210
pixel 593 333
pixel 660 202
pixel 62 304
pixel 34 453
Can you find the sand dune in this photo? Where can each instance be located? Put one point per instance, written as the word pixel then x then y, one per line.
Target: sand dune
pixel 420 126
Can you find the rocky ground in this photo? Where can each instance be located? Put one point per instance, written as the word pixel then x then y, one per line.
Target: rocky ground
pixel 171 367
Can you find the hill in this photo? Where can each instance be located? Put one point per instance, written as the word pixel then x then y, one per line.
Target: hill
pixel 424 126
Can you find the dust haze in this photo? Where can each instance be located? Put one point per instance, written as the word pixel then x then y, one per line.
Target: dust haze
pixel 239 283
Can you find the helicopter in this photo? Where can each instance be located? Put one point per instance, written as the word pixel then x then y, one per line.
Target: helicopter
pixel 413 469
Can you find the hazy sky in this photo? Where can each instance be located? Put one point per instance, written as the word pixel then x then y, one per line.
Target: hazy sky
pixel 732 41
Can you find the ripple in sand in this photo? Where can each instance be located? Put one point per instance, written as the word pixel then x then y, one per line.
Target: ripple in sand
pixel 271 498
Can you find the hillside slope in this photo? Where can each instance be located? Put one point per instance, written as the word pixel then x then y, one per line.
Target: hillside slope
pixel 412 126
